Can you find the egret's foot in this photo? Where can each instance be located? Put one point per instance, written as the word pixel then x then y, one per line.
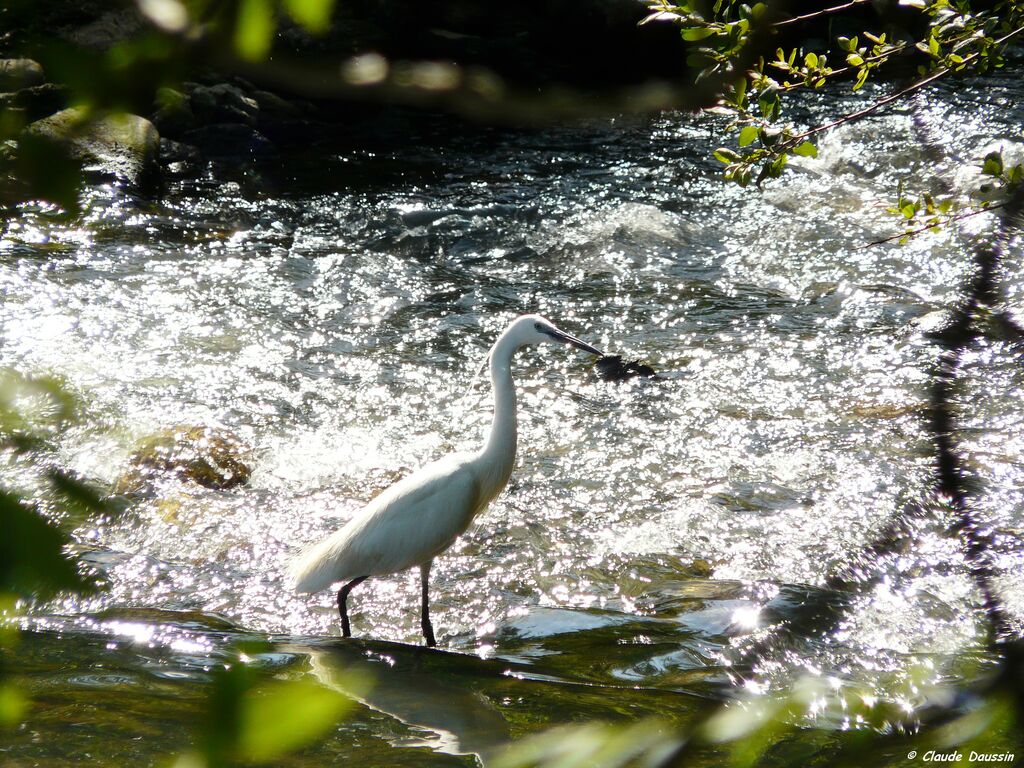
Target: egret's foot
pixel 428 634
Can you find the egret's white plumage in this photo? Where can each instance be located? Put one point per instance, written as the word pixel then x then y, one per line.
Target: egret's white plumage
pixel 420 516
pixel 413 520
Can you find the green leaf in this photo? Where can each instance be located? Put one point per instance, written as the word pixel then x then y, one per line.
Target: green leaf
pixel 909 210
pixel 314 15
pixel 993 165
pixel 855 60
pixel 32 559
pixel 254 29
pixel 811 60
pixel 747 135
pixel 693 34
pixel 281 716
pixel 768 103
pixel 740 91
pixel 724 155
pixel 806 149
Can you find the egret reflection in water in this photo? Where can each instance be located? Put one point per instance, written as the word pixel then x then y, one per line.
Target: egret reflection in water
pixel 431 694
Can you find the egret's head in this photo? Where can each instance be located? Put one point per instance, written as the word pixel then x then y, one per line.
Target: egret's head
pixel 534 329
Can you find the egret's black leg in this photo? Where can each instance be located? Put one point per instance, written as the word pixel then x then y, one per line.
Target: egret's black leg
pixel 343 608
pixel 428 629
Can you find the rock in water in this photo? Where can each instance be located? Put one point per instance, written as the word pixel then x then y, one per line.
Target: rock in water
pixel 213 458
pixel 16 74
pixel 124 146
pixel 612 368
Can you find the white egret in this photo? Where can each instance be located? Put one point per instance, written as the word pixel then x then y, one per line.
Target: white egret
pixel 420 516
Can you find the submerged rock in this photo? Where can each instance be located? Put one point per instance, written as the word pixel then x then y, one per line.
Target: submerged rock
pixel 124 146
pixel 213 458
pixel 175 153
pixel 613 368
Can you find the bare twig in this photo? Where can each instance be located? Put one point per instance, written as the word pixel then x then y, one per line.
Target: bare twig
pixel 822 12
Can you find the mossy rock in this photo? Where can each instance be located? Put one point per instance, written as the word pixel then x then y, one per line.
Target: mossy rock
pixel 702 568
pixel 213 458
pixel 124 146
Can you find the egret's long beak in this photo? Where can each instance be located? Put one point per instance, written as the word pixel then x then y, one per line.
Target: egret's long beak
pixel 567 339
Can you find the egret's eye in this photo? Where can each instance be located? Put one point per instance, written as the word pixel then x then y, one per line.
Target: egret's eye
pixel 538 326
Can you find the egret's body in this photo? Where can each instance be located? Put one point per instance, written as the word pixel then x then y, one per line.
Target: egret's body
pixel 420 516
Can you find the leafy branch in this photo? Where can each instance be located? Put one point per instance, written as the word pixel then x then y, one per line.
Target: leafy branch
pixel 960 38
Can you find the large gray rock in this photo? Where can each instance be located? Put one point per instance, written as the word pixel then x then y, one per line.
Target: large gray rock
pixel 174 115
pixel 107 29
pixel 126 147
pixel 16 74
pixel 224 103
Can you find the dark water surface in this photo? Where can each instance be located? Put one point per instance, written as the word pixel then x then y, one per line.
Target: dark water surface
pixel 331 309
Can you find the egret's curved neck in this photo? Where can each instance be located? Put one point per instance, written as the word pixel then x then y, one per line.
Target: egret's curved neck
pixel 499 452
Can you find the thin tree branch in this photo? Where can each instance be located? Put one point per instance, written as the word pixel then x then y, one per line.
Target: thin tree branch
pixel 822 12
pixel 918 231
pixel 898 95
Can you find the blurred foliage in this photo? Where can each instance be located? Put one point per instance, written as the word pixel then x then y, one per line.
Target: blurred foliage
pixel 33 557
pixel 35 563
pixel 125 77
pixel 252 720
pixel 773 730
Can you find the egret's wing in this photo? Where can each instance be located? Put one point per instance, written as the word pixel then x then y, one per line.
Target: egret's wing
pixel 408 524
